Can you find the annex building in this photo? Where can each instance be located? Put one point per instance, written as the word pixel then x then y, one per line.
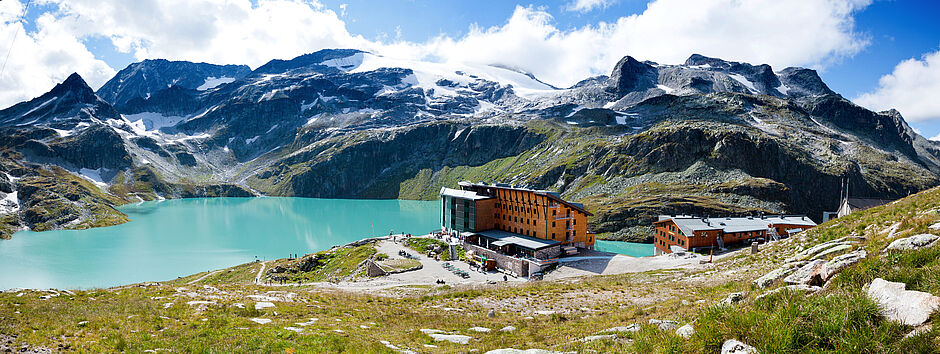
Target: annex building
pixel 522 230
pixel 690 233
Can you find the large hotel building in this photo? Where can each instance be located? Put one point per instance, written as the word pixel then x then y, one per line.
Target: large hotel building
pixel 526 224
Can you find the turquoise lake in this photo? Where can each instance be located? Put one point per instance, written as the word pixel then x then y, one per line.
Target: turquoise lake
pixel 627 248
pixel 174 238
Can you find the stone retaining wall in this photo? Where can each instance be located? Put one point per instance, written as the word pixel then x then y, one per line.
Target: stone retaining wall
pixel 519 267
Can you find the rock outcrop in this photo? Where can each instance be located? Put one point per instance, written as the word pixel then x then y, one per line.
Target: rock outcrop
pixel 734 346
pixel 913 243
pixel 912 308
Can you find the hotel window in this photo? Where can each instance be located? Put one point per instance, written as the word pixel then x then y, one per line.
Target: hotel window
pixel 553 224
pixel 553 235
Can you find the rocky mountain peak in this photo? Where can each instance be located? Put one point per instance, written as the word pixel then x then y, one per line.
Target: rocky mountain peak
pixel 803 82
pixel 305 60
pixel 698 60
pixel 145 78
pixel 68 103
pixel 74 86
pixel 631 75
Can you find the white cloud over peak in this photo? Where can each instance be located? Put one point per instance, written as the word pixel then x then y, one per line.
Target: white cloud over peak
pixel 42 58
pixel 587 5
pixel 913 88
pixel 781 33
pixel 223 32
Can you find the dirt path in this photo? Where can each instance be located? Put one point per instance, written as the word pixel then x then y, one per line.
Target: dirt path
pixel 260 273
pixel 203 277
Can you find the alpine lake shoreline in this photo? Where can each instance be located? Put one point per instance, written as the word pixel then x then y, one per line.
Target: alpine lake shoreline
pixel 119 247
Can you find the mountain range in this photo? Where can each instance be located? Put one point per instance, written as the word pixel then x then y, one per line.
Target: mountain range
pixel 707 137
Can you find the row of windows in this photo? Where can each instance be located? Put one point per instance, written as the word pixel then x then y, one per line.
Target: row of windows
pixel 518 230
pixel 516 219
pixel 520 197
pixel 516 208
pixel 662 242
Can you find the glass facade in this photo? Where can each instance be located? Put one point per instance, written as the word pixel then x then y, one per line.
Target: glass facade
pixel 458 214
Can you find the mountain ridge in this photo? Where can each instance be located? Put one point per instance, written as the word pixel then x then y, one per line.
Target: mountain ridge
pixel 704 136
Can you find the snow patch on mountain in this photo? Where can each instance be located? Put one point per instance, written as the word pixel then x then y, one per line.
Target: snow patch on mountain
pixel 346 64
pixel 39 106
pixel 428 74
pixel 153 121
pixel 744 81
pixel 213 82
pixel 9 203
pixel 669 90
pixel 94 176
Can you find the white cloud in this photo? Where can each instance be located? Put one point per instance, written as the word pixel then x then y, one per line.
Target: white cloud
pixel 587 5
pixel 42 58
pixel 223 32
pixel 912 88
pixel 782 33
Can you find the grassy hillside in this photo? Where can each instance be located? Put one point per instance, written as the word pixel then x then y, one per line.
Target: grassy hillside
pixel 204 313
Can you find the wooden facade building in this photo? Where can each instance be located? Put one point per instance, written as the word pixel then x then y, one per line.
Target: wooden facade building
pixel 686 233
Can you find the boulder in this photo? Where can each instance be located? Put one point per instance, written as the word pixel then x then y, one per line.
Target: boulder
pixel 913 243
pixel 834 265
pixel 731 299
pixel 832 250
pixel 935 227
pixel 773 276
pixel 508 329
pixel 808 274
pixel 734 346
pixel 665 325
pixel 686 331
pixel 439 335
pixel 908 307
pixel 825 247
pixel 598 337
pixel 263 305
pixel 631 328
pixel 480 329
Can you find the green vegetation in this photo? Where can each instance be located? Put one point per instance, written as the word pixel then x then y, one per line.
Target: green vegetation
pixel 838 319
pixel 424 244
pixel 331 265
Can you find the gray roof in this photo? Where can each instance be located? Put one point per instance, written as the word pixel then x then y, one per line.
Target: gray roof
pixel 456 193
pixel 791 219
pixel 509 238
pixel 688 225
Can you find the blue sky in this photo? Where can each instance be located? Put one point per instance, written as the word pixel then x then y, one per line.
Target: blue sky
pixel 869 40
